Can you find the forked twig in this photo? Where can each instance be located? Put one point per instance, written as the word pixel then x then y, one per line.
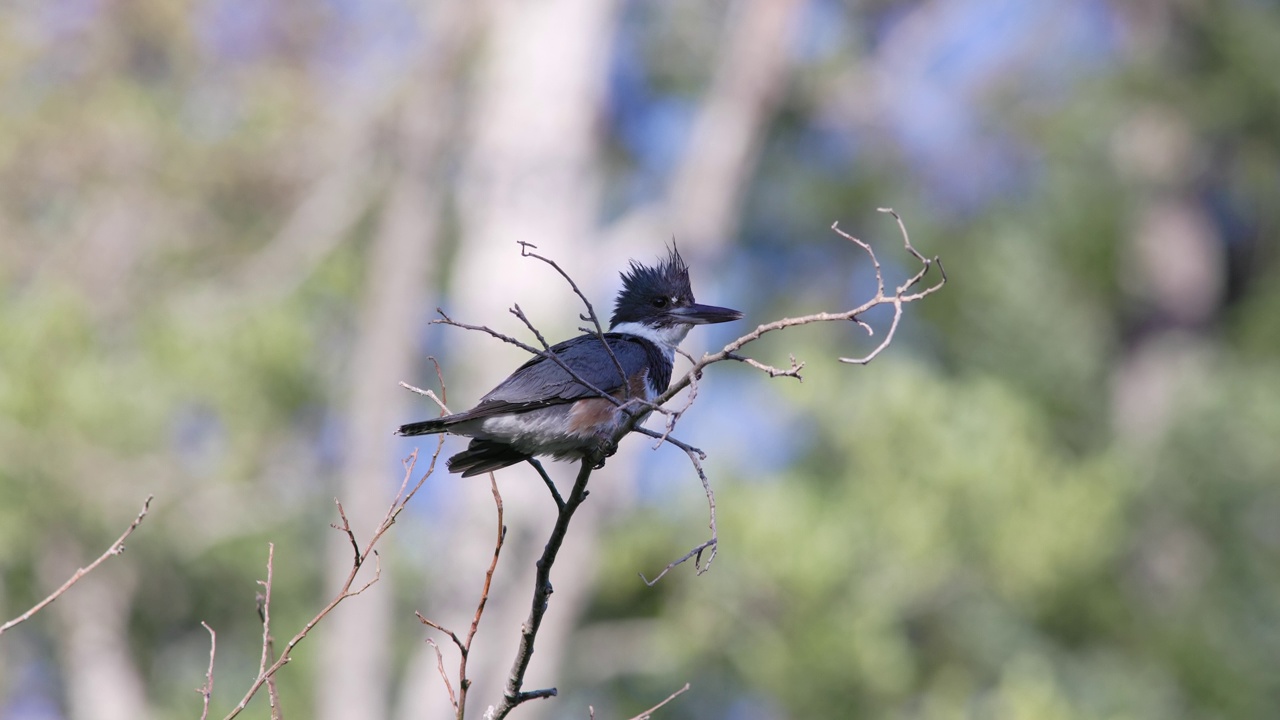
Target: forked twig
pixel 459 700
pixel 402 498
pixel 899 297
pixel 591 315
pixel 730 352
pixel 696 457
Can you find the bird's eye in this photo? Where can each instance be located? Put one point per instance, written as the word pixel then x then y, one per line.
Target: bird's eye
pixel 660 302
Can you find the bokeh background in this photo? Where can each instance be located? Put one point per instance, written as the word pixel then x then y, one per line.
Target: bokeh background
pixel 227 224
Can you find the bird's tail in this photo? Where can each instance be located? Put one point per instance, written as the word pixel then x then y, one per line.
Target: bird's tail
pixel 426 427
pixel 483 456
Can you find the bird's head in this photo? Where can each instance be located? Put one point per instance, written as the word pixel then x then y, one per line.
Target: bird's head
pixel 658 302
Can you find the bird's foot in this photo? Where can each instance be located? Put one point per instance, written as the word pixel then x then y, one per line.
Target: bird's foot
pixel 604 449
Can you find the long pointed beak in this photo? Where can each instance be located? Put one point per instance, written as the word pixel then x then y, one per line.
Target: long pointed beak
pixel 704 314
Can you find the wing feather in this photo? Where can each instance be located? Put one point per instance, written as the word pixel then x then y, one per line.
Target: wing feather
pixel 541 382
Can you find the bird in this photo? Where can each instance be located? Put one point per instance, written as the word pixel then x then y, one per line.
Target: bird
pixel 543 410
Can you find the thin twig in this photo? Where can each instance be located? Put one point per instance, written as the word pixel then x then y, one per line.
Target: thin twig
pixel 116 548
pixel 273 693
pixel 899 297
pixel 444 675
pixel 730 352
pixel 549 353
pixel 880 298
pixel 351 536
pixel 464 646
pixel 695 457
pixel 590 316
pixel 206 691
pixel 463 683
pixel 432 623
pixel 401 500
pixel 542 472
pixel 544 353
pixel 264 606
pixel 268 643
pixel 647 714
pixel 428 393
pixel 671 440
pixel 793 371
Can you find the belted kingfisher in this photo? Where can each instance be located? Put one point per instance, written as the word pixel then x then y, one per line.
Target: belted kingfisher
pixel 543 410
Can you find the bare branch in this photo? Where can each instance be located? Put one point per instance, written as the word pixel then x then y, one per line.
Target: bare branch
pixel 695 456
pixel 548 353
pixel 514 694
pixel 206 691
pixel 429 393
pixel 397 506
pixel 899 297
pixel 351 536
pixel 542 472
pixel 116 548
pixel 464 647
pixel 273 693
pixel 264 606
pixel 590 316
pixel 666 438
pixel 730 352
pixel 268 643
pixel 647 714
pixel 793 371
pixel 453 699
pixel 431 623
pixel 493 564
pixel 446 320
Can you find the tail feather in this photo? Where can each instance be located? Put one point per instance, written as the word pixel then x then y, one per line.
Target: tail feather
pixel 426 427
pixel 483 456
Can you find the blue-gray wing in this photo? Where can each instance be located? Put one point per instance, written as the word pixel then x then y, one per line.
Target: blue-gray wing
pixel 542 381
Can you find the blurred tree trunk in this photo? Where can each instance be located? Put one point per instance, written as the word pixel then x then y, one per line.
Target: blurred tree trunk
pixel 749 82
pixel 702 204
pixel 102 680
pixel 354 678
pixel 531 173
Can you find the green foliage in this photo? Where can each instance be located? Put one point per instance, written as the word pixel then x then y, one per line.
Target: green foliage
pixel 919 559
